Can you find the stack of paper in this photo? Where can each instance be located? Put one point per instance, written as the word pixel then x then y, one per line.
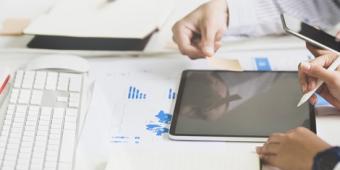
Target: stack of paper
pixel 102 19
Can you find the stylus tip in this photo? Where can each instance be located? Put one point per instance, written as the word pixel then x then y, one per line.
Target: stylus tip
pixel 303 100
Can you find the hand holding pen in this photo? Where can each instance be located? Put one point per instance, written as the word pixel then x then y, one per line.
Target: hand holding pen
pixel 318 72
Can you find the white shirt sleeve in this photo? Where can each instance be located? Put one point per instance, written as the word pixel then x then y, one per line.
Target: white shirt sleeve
pixel 337 167
pixel 261 17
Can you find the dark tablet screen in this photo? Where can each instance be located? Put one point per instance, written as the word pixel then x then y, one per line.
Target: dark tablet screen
pixel 239 104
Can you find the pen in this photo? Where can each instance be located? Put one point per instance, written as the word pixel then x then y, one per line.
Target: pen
pixel 309 94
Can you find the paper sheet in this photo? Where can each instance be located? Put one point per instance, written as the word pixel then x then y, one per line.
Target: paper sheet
pixel 225 64
pixel 179 159
pixel 142 97
pixel 133 121
pixel 99 18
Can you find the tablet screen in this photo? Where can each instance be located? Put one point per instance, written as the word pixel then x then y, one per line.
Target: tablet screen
pixel 240 104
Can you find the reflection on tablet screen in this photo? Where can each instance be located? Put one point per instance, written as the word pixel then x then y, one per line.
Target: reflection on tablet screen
pixel 239 104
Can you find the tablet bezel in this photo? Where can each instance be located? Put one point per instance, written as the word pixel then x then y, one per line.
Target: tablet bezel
pixel 301 36
pixel 235 138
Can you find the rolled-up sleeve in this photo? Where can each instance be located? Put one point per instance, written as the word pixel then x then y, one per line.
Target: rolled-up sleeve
pixel 262 17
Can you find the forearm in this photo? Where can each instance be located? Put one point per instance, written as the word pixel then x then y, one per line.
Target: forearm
pixel 261 17
pixel 253 18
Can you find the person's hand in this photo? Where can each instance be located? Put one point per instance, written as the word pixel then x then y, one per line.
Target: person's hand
pixel 293 150
pixel 310 72
pixel 316 51
pixel 199 33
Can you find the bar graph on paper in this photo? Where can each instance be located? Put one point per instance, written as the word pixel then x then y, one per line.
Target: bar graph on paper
pixel 142 108
pixel 172 94
pixel 135 94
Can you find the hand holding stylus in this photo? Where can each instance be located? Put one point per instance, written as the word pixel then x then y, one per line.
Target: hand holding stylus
pixel 321 72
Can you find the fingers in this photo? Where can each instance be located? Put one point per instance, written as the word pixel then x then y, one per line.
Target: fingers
pixel 316 51
pixel 324 92
pixel 183 37
pixel 272 144
pixel 317 71
pixel 313 100
pixel 208 39
pixel 195 45
pixel 270 150
pixel 267 157
pixel 307 70
pixel 324 60
pixel 337 36
pixel 302 79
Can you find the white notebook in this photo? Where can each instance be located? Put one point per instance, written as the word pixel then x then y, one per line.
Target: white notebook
pixel 102 19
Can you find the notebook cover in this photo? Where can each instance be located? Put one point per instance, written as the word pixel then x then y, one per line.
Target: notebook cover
pixel 86 43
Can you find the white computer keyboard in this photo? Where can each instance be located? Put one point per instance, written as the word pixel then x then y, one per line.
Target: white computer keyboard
pixel 41 121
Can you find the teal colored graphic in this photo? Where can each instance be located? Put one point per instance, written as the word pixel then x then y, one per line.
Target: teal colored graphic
pixel 164 117
pixel 161 126
pixel 321 101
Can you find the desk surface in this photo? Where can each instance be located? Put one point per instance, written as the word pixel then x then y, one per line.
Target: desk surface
pixel 13 54
pixel 96 157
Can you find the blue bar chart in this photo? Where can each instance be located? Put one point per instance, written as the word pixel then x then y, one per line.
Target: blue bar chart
pixel 171 94
pixel 135 94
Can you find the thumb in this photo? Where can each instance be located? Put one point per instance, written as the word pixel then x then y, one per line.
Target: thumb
pixel 337 37
pixel 208 42
pixel 318 71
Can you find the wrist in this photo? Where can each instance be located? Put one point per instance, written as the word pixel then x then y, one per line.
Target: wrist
pixel 327 159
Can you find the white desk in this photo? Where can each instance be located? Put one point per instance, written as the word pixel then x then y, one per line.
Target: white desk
pixel 14 54
pixel 91 157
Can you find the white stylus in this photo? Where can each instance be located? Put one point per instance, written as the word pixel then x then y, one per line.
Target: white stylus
pixel 309 94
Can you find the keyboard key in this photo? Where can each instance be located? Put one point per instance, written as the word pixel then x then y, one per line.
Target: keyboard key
pixel 51 83
pixel 18 79
pixel 74 100
pixel 75 83
pixel 24 96
pixel 14 96
pixel 63 82
pixel 36 97
pixel 65 166
pixel 71 112
pixel 21 109
pixel 40 80
pixel 46 111
pixel 10 107
pixel 67 146
pixel 62 99
pixel 28 80
pixel 51 165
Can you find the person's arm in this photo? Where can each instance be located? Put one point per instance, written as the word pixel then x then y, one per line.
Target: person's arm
pixel 327 159
pixel 261 17
pixel 199 34
pixel 294 149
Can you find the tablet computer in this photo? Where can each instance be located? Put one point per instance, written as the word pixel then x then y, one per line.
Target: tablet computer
pixel 310 33
pixel 238 106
